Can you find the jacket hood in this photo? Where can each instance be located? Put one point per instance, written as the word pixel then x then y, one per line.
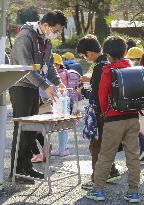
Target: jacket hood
pixel 119 64
pixel 30 26
pixel 33 26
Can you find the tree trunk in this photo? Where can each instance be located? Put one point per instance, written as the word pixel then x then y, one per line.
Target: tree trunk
pixel 102 29
pixel 86 26
pixel 63 36
pixel 125 15
pixel 77 20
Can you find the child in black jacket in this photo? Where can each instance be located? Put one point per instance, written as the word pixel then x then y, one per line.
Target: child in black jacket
pixel 89 48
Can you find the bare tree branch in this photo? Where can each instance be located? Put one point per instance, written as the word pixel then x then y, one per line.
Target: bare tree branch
pixel 137 14
pixel 139 3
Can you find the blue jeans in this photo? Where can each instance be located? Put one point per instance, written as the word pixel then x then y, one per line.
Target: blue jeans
pixel 63 139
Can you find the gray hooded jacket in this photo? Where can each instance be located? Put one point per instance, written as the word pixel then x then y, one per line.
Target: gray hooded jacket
pixel 27 50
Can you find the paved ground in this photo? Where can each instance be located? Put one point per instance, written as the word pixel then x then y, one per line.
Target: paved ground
pixel 66 192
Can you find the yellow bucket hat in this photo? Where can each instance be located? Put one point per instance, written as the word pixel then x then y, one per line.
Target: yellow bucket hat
pixel 68 55
pixel 57 59
pixel 134 52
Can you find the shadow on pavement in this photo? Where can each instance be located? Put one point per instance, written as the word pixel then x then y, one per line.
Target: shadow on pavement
pixel 85 201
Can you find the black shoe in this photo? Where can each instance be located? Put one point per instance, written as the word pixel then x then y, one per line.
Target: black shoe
pixel 142 161
pixel 141 158
pixel 22 180
pixel 113 177
pixel 34 173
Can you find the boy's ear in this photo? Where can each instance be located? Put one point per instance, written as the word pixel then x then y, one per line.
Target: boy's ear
pixel 125 53
pixel 110 59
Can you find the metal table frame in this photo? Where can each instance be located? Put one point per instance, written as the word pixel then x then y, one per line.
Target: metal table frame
pixel 47 127
pixel 9 74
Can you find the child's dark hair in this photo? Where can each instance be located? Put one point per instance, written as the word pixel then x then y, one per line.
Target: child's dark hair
pixel 88 43
pixel 130 43
pixel 61 67
pixel 54 17
pixel 142 60
pixel 115 46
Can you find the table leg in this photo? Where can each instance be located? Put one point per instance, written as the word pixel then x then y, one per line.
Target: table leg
pixel 45 151
pixel 16 154
pixel 48 137
pixel 77 154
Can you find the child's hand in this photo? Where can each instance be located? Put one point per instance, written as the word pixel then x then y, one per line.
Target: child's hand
pixel 62 87
pixel 84 79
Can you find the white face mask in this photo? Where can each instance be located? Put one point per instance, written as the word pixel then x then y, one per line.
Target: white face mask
pixel 52 35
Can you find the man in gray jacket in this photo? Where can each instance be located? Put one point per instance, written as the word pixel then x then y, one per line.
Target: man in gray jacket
pixel 33 46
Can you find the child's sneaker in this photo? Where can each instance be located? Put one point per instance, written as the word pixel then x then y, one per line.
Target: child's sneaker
pixel 66 152
pixel 87 186
pixel 98 196
pixel 132 197
pixel 113 177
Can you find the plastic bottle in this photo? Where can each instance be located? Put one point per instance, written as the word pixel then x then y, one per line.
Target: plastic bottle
pixel 66 104
pixel 76 110
pixel 58 106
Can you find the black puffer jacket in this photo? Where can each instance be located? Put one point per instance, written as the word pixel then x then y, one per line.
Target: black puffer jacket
pixel 95 80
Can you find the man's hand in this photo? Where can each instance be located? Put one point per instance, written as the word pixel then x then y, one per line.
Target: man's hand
pixel 51 92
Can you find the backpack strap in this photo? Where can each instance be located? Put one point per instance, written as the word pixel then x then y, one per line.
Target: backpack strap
pixel 108 108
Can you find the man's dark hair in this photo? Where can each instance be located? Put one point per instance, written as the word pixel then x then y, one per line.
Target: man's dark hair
pixel 88 43
pixel 54 17
pixel 114 46
pixel 130 43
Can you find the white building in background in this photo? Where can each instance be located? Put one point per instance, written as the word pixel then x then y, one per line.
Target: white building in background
pixel 71 29
pixel 124 24
pixel 15 1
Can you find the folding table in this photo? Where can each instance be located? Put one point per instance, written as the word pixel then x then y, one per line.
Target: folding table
pixel 47 124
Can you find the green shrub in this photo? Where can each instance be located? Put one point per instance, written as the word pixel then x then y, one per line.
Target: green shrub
pixel 70 43
pixel 56 43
